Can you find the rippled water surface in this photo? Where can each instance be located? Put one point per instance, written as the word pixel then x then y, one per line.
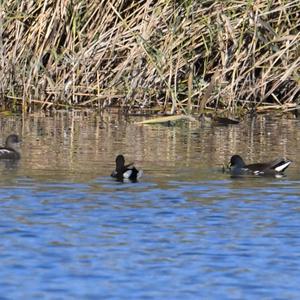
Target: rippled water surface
pixel 185 231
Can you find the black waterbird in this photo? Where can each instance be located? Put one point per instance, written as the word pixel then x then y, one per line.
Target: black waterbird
pixel 123 171
pixel 8 151
pixel 237 166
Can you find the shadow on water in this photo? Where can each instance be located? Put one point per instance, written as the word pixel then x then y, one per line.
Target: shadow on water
pixel 186 230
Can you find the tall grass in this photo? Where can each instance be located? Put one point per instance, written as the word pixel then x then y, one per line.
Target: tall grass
pixel 173 56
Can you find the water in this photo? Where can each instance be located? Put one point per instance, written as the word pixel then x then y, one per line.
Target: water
pixel 185 231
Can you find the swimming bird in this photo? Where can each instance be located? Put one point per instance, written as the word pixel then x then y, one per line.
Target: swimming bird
pixel 123 171
pixel 208 119
pixel 276 167
pixel 8 151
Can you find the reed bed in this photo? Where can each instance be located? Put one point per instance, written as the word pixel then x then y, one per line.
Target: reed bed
pixel 168 56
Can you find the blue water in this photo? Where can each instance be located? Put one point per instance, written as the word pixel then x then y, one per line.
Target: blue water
pixel 185 231
pixel 217 239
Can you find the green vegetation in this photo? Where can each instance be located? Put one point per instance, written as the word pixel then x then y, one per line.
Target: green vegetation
pixel 170 56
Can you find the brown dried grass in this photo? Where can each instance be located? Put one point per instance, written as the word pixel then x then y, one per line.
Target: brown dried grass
pixel 178 56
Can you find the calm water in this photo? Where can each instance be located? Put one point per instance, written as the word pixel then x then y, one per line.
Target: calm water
pixel 185 231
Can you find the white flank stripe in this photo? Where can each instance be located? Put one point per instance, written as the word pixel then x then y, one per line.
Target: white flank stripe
pixel 282 167
pixel 127 174
pixel 4 151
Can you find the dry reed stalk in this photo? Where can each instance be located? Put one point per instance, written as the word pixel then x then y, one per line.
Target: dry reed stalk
pixel 138 54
